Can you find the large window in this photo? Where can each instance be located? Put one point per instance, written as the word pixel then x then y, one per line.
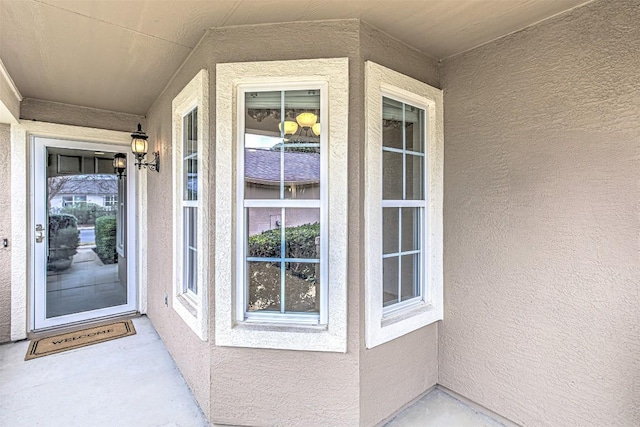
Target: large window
pixel 403 205
pixel 190 198
pixel 281 126
pixel 282 155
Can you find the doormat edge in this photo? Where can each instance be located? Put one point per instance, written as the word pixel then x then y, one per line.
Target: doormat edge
pixel 33 345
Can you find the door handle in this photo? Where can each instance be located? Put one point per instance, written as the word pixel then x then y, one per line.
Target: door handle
pixel 39 233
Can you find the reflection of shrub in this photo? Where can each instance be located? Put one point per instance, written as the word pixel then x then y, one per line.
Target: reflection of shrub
pixel 301 280
pixel 63 240
pixel 300 242
pixel 106 239
pixel 87 213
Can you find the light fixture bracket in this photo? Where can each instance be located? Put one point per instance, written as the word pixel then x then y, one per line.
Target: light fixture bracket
pixel 152 166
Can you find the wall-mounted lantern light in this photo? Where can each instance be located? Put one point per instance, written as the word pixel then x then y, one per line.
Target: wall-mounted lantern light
pixel 139 147
pixel 120 164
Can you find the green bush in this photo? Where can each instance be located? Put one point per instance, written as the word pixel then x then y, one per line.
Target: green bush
pixel 87 213
pixel 64 239
pixel 106 239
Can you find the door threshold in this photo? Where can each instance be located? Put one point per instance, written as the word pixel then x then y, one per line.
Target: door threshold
pixel 76 326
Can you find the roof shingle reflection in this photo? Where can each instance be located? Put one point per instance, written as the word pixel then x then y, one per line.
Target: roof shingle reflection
pixel 262 166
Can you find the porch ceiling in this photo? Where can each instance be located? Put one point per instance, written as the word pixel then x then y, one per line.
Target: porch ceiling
pixel 119 55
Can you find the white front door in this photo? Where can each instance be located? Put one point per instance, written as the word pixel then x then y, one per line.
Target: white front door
pixel 82 239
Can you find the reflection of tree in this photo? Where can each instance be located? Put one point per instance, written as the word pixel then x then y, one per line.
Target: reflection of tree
pixel 75 184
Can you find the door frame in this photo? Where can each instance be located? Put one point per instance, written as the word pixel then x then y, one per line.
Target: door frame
pixel 39 146
pixel 22 230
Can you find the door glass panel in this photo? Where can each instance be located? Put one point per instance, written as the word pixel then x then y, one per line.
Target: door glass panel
pixel 85 269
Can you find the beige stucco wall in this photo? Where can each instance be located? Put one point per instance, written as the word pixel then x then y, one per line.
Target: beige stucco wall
pixel 541 213
pixel 190 353
pixel 5 233
pixel 269 387
pixel 395 373
pixel 56 112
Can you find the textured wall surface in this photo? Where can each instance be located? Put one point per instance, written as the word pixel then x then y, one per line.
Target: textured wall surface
pixel 395 373
pixel 55 112
pixel 5 233
pixel 293 387
pixel 189 352
pixel 267 387
pixel 542 201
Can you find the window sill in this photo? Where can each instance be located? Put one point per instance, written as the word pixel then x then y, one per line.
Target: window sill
pixel 190 305
pixel 192 313
pixel 256 325
pixel 405 313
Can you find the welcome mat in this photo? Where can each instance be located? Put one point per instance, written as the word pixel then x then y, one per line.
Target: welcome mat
pixel 63 342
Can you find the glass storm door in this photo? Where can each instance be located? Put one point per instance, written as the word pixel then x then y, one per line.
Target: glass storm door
pixel 80 245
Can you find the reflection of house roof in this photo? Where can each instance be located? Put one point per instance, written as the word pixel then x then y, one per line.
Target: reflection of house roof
pixel 263 167
pixel 88 184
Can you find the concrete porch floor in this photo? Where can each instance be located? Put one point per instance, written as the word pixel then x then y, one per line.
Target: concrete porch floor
pixel 133 381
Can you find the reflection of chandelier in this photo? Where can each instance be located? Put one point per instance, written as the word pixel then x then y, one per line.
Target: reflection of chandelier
pixel 305 123
pixel 391 123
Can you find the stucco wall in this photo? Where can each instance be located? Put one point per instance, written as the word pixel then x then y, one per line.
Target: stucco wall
pixel 56 112
pixel 542 258
pixel 266 387
pixel 5 233
pixel 292 387
pixel 395 373
pixel 189 352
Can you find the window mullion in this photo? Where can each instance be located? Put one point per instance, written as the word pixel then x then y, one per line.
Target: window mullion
pixel 282 145
pixel 399 256
pixel 404 155
pixel 282 258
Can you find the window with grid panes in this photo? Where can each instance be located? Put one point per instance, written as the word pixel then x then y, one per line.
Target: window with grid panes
pixel 110 200
pixel 282 205
pixel 403 202
pixel 190 200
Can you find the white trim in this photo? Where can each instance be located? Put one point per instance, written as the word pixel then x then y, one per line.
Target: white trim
pixel 10 82
pixel 21 276
pixel 385 325
pixel 332 335
pixel 191 307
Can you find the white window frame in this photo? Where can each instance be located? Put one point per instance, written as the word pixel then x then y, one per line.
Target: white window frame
pixel 242 315
pixel 74 202
pixel 192 204
pixel 383 325
pixel 232 327
pixel 420 204
pixel 121 219
pixel 111 203
pixel 192 307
